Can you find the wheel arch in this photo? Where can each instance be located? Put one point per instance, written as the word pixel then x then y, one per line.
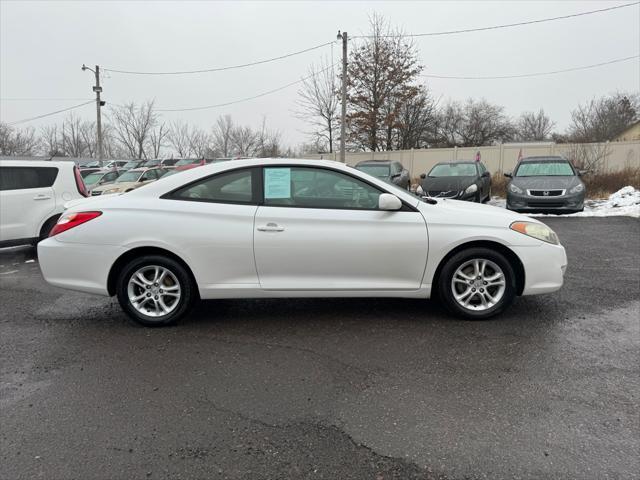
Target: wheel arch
pixel 127 256
pixel 50 220
pixel 511 256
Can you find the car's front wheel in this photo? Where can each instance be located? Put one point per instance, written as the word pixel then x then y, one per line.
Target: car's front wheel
pixel 477 283
pixel 155 290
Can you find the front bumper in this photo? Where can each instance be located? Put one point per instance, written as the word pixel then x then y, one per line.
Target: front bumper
pixel 534 204
pixel 544 267
pixel 467 197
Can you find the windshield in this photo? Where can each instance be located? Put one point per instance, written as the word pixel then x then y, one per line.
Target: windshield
pixel 129 165
pixel 152 163
pixel 186 161
pixel 128 177
pixel 93 178
pixel 95 163
pixel 380 171
pixel 454 170
pixel 544 169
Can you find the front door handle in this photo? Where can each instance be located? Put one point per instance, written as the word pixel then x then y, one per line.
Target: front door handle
pixel 271 227
pixel 42 197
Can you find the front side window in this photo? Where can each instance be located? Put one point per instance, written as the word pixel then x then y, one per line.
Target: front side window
pixel 228 187
pixel 544 169
pixel 317 188
pixel 22 178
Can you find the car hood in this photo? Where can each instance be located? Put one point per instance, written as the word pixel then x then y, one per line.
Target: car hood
pixel 120 186
pixel 446 184
pixel 458 212
pixel 546 183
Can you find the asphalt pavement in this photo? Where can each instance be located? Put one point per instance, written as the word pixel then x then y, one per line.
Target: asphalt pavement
pixel 329 388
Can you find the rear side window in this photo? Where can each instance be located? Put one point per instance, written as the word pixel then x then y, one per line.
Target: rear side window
pixel 230 187
pixel 23 178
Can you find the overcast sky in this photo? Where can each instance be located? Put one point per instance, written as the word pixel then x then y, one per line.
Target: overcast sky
pixel 43 45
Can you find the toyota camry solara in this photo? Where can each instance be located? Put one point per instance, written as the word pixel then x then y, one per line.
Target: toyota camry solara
pixel 295 228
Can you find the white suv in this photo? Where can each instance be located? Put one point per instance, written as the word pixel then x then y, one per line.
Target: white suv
pixel 32 197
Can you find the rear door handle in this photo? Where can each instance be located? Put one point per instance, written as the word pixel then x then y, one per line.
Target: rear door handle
pixel 42 197
pixel 271 227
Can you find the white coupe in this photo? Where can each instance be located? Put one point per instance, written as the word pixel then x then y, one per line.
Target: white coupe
pixel 295 228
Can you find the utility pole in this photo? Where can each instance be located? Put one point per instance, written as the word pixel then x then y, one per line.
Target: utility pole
pixel 343 119
pixel 99 103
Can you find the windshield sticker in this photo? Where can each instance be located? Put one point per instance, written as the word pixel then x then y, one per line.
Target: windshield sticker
pixel 277 183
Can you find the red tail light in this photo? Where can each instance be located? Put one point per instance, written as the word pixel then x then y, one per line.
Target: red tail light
pixel 70 220
pixel 82 188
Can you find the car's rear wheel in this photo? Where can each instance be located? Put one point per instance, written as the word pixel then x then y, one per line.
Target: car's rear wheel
pixel 155 290
pixel 477 283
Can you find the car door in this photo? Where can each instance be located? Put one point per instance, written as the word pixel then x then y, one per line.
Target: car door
pixel 321 229
pixel 212 219
pixel 26 200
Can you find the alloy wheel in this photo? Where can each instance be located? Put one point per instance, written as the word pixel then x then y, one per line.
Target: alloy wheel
pixel 154 291
pixel 478 284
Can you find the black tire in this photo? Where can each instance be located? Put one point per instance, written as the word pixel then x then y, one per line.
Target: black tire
pixel 184 303
pixel 445 289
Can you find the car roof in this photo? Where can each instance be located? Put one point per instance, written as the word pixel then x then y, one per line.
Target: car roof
pixel 457 162
pixel 36 163
pixel 374 162
pixel 544 158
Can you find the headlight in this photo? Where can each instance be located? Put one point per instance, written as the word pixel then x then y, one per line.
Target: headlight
pixel 111 190
pixel 471 189
pixel 536 230
pixel 514 189
pixel 578 188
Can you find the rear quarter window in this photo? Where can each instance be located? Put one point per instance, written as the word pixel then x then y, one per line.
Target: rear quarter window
pixel 23 178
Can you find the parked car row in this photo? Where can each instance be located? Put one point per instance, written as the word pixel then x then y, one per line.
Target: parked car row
pixel 537 184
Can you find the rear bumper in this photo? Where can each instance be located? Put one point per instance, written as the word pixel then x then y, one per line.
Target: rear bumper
pixel 544 267
pixel 77 266
pixel 559 204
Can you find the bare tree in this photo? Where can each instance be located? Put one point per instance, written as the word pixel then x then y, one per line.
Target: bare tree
pixel 179 138
pixel 222 135
pixel 133 126
pixel 244 141
pixel 534 126
pixel 474 123
pixel 602 119
pixel 18 141
pixel 381 75
pixel 267 141
pixel 200 143
pixel 50 141
pixel 318 103
pixel 416 122
pixel 157 140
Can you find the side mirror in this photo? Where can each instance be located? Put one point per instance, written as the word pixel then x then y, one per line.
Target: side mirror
pixel 508 174
pixel 486 174
pixel 395 175
pixel 423 175
pixel 387 201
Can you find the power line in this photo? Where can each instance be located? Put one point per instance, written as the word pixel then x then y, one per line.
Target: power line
pixel 538 74
pixel 220 69
pixel 506 25
pixel 263 94
pixel 51 113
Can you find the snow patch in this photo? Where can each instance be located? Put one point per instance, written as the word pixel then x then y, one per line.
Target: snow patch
pixel 623 203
